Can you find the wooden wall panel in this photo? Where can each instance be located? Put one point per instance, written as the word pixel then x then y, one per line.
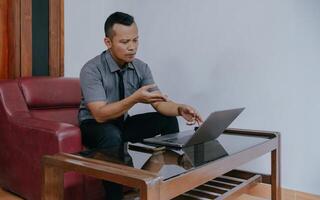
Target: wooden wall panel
pixel 56 37
pixel 26 38
pixel 14 38
pixel 3 39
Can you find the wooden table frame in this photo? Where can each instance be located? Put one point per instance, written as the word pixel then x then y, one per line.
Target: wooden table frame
pixel 150 185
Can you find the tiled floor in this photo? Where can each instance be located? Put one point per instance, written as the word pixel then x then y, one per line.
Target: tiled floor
pixel 4 195
pixel 263 191
pixel 259 192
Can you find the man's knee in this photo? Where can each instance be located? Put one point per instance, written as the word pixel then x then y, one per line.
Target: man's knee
pixel 170 124
pixel 111 137
pixel 173 121
pixel 100 136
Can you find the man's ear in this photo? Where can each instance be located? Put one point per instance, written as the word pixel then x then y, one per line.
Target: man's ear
pixel 108 42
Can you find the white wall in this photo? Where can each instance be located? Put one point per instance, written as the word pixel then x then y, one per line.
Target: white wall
pixel 217 54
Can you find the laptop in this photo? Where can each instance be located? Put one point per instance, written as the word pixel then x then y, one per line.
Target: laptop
pixel 210 129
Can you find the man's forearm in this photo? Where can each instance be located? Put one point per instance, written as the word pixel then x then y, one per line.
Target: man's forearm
pixel 114 110
pixel 168 108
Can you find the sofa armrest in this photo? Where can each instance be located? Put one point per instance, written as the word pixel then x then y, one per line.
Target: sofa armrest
pixel 44 136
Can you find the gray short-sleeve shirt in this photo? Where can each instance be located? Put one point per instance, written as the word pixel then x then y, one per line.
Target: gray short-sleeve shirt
pixel 99 81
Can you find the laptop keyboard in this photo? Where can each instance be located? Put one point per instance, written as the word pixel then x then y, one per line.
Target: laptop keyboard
pixel 171 140
pixel 178 139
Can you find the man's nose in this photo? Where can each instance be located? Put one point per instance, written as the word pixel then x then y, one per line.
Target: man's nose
pixel 132 46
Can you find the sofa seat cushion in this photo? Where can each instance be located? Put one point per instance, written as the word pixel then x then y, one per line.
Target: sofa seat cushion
pixel 65 115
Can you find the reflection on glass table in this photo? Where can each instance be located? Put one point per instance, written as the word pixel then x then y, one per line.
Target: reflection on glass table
pixel 167 162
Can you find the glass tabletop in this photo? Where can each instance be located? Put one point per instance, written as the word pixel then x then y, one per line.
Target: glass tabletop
pixel 171 162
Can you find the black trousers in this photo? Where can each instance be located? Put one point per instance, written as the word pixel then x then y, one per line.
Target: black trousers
pixel 133 129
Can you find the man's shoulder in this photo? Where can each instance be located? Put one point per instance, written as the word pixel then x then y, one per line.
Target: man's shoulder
pixel 93 61
pixel 139 64
pixel 92 64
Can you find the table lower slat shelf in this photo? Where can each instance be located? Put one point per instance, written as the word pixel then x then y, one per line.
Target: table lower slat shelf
pixel 229 185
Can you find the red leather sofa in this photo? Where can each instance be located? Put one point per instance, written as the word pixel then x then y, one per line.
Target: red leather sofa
pixel 38 116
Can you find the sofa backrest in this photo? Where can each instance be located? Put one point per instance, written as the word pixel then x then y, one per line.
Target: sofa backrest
pixel 52 98
pixel 11 99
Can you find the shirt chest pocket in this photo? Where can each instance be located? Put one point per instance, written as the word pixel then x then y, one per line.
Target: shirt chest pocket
pixel 131 87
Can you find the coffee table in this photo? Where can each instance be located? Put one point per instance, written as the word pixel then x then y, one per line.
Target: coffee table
pixel 205 171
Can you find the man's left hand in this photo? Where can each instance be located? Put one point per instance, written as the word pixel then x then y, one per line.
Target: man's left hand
pixel 190 114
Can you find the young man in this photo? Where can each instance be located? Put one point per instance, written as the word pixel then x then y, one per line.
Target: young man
pixel 112 83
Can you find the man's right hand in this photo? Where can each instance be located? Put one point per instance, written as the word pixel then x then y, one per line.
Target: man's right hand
pixel 143 95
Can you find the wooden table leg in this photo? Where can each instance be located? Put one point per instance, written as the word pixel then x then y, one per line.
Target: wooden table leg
pixel 275 174
pixel 150 191
pixel 52 183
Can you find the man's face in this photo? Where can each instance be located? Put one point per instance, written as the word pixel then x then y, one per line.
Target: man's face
pixel 123 44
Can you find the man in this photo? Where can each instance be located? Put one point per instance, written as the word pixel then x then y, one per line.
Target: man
pixel 115 81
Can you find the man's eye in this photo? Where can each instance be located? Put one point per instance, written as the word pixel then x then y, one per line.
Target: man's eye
pixel 124 42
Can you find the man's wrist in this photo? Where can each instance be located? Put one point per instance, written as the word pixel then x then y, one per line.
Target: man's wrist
pixel 132 98
pixel 179 109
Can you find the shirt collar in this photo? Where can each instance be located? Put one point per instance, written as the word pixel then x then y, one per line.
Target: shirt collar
pixel 113 66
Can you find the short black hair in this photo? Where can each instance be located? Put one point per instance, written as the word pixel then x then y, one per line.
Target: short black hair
pixel 117 18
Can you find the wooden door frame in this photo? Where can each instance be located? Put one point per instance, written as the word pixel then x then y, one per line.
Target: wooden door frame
pixel 18 38
pixel 26 37
pixel 56 37
pixel 14 41
pixel 3 39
